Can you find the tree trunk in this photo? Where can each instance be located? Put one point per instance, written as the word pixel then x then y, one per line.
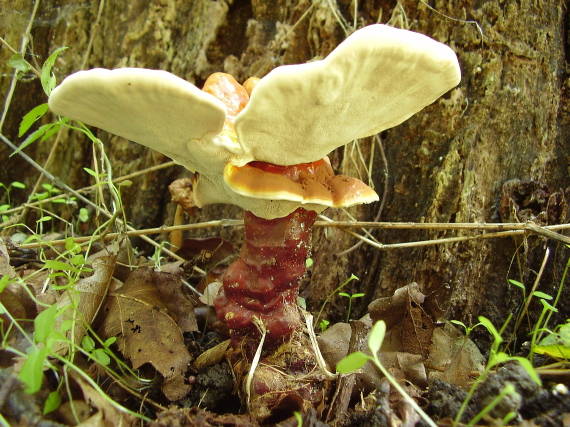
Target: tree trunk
pixel 507 120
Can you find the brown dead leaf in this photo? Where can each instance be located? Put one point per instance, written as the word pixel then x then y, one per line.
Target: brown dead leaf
pixel 453 357
pixel 206 252
pixel 417 330
pixel 391 309
pixel 147 331
pixel 170 290
pixel 200 417
pixel 110 415
pixel 87 297
pixel 405 319
pixel 212 356
pixel 5 268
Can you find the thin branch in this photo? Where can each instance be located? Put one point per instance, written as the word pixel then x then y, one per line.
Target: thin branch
pixel 508 230
pixel 84 199
pixel 89 188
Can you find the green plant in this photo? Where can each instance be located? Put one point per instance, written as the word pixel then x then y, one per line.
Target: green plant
pixel 350 298
pixel 329 296
pixel 324 324
pixel 357 360
pixel 557 343
pixel 496 357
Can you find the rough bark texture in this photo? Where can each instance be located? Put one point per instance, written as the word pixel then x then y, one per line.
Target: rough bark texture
pixel 508 119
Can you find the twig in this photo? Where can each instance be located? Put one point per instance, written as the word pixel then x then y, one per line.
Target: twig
pixel 510 230
pixel 91 187
pixel 64 186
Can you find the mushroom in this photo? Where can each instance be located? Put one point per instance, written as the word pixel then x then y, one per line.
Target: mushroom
pixel 263 147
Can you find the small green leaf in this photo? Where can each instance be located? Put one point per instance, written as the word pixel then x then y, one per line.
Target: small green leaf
pixel 525 363
pixel 324 324
pixel 555 351
pixel 352 362
pixel 18 184
pixel 376 336
pixel 90 172
pixel 44 219
pixel 59 266
pixel 31 117
pixel 4 280
pixel 459 323
pixel 52 402
pixel 109 342
pixel 47 78
pixel 302 303
pixel 38 133
pixel 548 307
pixel 31 373
pixel 87 343
pixel 78 259
pixel 541 295
pixel 18 62
pixel 344 294
pixel 517 284
pixel 358 295
pixel 491 328
pixel 101 357
pixel 309 262
pixel 83 215
pixel 44 324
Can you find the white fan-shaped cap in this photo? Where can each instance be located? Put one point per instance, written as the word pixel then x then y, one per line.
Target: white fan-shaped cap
pixel 152 107
pixel 377 78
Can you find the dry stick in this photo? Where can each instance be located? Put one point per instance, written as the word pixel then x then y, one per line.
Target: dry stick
pixel 84 199
pixel 91 187
pixel 23 48
pixel 508 229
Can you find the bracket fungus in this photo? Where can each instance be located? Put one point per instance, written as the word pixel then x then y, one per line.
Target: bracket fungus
pixel 263 146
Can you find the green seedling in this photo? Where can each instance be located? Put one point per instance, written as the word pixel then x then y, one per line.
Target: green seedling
pixel 329 296
pixel 496 357
pixel 350 298
pixel 323 325
pixel 357 360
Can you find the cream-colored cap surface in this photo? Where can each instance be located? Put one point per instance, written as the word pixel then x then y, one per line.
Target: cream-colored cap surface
pixel 152 107
pixel 374 80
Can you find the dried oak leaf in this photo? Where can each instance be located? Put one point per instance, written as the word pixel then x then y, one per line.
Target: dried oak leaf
pixel 391 309
pixel 87 297
pixel 405 318
pixel 107 415
pixel 145 315
pixel 200 417
pixel 453 357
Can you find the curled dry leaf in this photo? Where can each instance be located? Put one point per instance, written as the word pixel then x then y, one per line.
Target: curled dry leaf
pixel 212 356
pixel 107 415
pixel 405 318
pixel 200 417
pixel 86 298
pixel 145 315
pixel 453 357
pixel 5 268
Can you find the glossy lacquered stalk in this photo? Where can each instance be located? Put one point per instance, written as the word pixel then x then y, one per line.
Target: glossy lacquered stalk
pixel 264 281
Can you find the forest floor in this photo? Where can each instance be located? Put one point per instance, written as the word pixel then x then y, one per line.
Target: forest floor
pixel 95 334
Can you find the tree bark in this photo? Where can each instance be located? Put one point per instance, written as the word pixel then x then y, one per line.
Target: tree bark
pixel 508 119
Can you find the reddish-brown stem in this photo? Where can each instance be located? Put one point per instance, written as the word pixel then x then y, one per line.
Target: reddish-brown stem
pixel 264 281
